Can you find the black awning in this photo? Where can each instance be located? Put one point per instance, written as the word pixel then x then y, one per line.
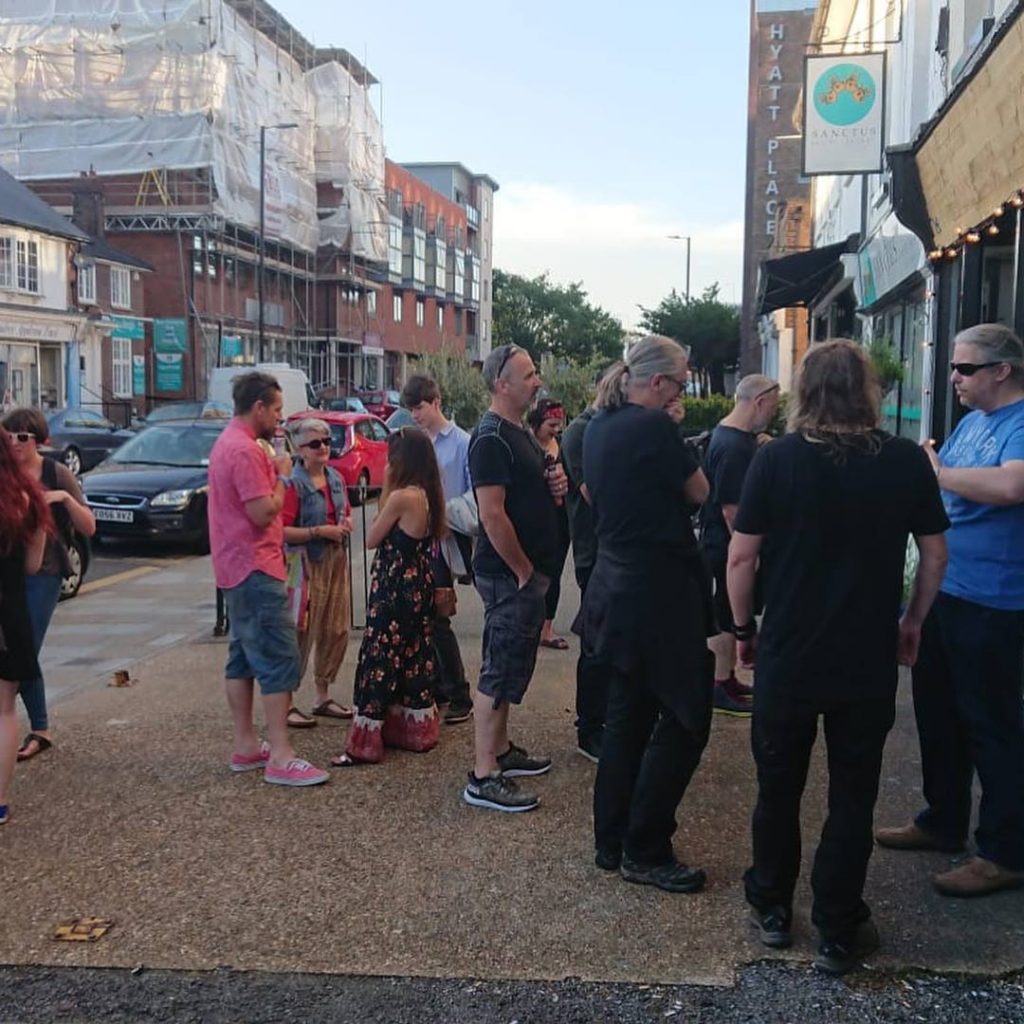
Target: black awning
pixel 796 279
pixel 908 198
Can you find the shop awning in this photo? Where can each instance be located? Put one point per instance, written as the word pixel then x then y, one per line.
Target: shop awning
pixel 796 279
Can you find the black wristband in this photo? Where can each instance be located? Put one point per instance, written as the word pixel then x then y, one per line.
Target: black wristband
pixel 747 632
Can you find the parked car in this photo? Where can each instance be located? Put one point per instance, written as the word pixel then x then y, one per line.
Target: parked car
pixel 347 404
pixel 381 403
pixel 80 554
pixel 155 486
pixel 401 417
pixel 186 411
pixel 359 450
pixel 83 438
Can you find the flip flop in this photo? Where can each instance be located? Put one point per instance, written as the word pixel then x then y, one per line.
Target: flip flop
pixel 347 761
pixel 42 743
pixel 332 709
pixel 556 643
pixel 304 721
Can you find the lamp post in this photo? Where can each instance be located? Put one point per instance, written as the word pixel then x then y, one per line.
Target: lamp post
pixel 261 252
pixel 687 239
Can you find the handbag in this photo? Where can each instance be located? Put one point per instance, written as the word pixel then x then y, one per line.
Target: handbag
pixel 445 602
pixel 298 589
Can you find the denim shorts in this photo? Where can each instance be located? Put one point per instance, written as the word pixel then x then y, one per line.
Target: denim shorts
pixel 262 644
pixel 513 619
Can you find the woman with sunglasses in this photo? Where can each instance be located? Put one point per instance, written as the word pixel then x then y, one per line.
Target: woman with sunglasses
pixel 25 523
pixel 317 523
pixel 397 672
pixel 29 431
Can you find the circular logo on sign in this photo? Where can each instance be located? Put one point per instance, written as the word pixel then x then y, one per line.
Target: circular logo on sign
pixel 844 95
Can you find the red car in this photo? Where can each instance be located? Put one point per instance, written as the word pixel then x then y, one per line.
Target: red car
pixel 359 449
pixel 381 403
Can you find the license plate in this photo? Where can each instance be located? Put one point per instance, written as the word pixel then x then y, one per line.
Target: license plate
pixel 114 515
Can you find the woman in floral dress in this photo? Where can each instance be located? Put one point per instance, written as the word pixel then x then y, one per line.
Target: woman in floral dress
pixel 397 669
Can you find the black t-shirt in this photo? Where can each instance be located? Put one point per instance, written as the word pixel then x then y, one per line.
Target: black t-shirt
pixel 581 520
pixel 728 458
pixel 835 536
pixel 636 467
pixel 502 454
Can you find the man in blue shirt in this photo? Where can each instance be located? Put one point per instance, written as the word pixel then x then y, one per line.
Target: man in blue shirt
pixel 967 681
pixel 422 397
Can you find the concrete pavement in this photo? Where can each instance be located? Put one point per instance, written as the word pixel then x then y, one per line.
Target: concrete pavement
pixel 385 871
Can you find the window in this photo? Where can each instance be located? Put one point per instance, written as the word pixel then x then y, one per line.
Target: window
pixel 87 283
pixel 28 267
pixel 6 262
pixel 458 322
pixel 419 257
pixel 365 430
pixel 396 311
pixel 440 264
pixel 121 349
pixel 440 317
pixel 395 246
pixel 380 432
pixel 120 287
pixel 371 303
pixel 421 312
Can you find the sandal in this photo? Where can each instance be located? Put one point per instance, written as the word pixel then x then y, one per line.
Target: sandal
pixel 41 742
pixel 332 709
pixel 556 643
pixel 299 720
pixel 347 761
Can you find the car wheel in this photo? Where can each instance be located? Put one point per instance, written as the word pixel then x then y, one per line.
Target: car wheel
pixel 73 459
pixel 361 491
pixel 70 586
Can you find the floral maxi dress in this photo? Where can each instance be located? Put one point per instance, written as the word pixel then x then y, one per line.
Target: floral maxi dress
pixel 397 668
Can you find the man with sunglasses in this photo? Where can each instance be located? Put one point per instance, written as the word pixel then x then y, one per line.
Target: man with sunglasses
pixel 967 680
pixel 734 444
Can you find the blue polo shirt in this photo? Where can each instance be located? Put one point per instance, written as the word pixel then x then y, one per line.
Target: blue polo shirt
pixel 451 446
pixel 986 542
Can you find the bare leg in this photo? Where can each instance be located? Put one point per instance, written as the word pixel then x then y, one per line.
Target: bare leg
pixel 239 694
pixel 490 726
pixel 8 736
pixel 723 646
pixel 275 710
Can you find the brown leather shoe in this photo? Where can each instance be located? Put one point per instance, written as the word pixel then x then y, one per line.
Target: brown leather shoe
pixel 913 837
pixel 977 877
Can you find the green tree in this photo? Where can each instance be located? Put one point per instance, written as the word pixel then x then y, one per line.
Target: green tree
pixel 708 326
pixel 573 384
pixel 543 317
pixel 464 395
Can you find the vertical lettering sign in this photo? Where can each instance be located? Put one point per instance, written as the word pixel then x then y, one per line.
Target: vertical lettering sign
pixel 776 42
pixel 844 113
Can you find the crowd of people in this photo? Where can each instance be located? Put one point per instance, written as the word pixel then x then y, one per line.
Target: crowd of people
pixel 786 556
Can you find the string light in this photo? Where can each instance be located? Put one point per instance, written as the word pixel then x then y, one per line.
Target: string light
pixel 998 211
pixel 1017 200
pixel 992 231
pixel 951 253
pixel 972 237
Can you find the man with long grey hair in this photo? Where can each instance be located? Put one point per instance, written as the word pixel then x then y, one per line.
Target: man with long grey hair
pixel 967 682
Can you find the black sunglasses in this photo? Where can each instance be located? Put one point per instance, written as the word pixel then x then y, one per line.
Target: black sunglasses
pixel 511 351
pixel 970 369
pixel 316 444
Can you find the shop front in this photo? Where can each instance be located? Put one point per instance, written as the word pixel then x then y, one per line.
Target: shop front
pixel 34 353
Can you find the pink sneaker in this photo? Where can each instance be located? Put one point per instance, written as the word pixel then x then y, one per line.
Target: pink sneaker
pixel 249 762
pixel 296 773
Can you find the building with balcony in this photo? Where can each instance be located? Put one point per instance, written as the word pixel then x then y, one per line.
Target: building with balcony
pixel 474 194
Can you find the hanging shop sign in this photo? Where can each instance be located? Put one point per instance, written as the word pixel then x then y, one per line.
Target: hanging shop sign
pixel 129 328
pixel 138 375
pixel 169 371
pixel 170 336
pixel 844 114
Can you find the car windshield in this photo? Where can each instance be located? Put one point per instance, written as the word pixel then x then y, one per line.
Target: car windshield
pixel 175 411
pixel 173 444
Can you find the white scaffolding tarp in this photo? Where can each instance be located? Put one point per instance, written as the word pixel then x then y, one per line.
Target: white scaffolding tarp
pixel 127 86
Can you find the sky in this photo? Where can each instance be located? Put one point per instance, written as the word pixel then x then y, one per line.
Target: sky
pixel 608 125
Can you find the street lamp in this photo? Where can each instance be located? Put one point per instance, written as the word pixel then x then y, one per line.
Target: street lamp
pixel 261 252
pixel 687 240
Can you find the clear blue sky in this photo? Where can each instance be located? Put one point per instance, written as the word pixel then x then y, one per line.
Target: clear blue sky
pixel 607 124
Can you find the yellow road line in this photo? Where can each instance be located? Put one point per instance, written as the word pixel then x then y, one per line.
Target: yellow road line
pixel 118 577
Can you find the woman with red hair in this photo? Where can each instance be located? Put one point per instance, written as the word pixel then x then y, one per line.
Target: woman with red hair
pixel 24 524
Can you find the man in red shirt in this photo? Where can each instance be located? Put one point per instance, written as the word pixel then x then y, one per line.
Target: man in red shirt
pixel 246 541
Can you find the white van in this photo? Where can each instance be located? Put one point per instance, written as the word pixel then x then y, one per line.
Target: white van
pixel 296 390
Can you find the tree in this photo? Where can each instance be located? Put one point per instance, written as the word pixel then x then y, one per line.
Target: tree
pixel 464 396
pixel 547 318
pixel 709 327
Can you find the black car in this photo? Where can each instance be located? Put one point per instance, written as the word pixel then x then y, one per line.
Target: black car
pixel 82 438
pixel 155 486
pixel 80 554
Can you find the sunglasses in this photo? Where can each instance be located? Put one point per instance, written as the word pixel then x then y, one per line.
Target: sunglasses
pixel 970 369
pixel 511 351
pixel 681 384
pixel 316 444
pixel 23 438
pixel 767 391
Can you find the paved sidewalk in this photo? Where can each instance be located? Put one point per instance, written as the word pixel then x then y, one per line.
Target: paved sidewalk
pixel 385 871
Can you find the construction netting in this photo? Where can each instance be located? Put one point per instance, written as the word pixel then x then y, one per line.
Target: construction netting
pixel 128 86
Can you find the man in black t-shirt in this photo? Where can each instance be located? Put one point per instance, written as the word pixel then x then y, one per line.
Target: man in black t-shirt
pixel 828 509
pixel 733 446
pixel 512 565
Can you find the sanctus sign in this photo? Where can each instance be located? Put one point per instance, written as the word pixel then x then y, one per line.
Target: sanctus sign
pixel 844 113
